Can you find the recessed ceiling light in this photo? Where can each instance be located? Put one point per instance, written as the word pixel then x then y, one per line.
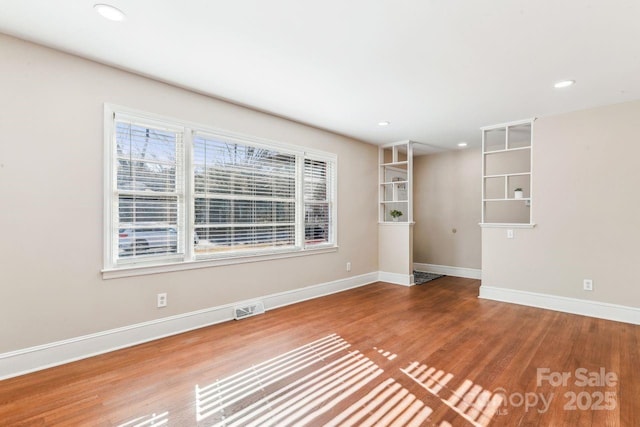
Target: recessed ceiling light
pixel 564 83
pixel 109 12
pixel 462 144
pixel 384 123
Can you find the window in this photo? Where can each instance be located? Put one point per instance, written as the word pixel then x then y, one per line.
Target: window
pixel 245 196
pixel 149 190
pixel 178 193
pixel 317 202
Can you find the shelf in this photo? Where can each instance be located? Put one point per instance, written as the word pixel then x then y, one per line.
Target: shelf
pixel 503 175
pixel 507 150
pixel 507 166
pixel 395 169
pixel 395 164
pixel 395 223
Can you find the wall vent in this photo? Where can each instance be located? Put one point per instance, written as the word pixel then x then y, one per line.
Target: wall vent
pixel 248 310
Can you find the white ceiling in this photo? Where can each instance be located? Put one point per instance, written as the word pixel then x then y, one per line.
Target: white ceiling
pixel 436 69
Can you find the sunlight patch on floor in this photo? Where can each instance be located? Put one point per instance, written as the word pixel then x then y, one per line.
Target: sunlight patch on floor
pixel 297 385
pixel 318 381
pixel 385 353
pixel 469 400
pixel 152 420
pixel 388 404
pixel 300 386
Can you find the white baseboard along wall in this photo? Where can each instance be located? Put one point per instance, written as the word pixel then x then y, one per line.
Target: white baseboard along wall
pixel 469 273
pixel 600 310
pixel 396 278
pixel 24 361
pixel 40 357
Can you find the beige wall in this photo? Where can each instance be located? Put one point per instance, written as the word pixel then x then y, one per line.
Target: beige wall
pixel 585 185
pixel 51 187
pixel 447 196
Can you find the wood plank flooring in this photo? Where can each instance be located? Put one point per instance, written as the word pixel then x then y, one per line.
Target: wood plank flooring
pixel 432 355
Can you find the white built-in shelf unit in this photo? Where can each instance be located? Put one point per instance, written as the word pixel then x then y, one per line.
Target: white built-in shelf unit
pixel 506 167
pixel 395 182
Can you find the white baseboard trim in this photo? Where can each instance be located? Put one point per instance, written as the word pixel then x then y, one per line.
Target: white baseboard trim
pixel 469 273
pixel 601 310
pixel 396 278
pixel 282 299
pixel 24 361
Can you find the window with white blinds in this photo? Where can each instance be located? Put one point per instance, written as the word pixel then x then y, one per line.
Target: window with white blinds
pixel 149 190
pixel 317 201
pixel 180 193
pixel 245 196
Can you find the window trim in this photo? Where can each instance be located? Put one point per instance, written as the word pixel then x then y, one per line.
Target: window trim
pixel 333 190
pixel 189 260
pixel 144 269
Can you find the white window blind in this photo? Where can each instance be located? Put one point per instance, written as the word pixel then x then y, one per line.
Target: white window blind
pixel 317 201
pixel 149 191
pixel 244 196
pixel 179 193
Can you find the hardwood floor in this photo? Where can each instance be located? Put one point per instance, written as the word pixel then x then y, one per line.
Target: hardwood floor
pixel 433 354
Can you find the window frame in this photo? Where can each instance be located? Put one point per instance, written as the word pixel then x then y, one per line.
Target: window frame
pixel 114 266
pixel 330 200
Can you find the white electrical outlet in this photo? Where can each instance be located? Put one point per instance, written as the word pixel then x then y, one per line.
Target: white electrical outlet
pixel 162 300
pixel 348 266
pixel 587 284
pixel 509 234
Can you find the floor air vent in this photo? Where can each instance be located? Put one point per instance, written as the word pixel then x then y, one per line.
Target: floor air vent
pixel 248 310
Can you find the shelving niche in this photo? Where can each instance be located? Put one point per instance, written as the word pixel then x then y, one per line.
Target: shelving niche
pixel 395 182
pixel 506 166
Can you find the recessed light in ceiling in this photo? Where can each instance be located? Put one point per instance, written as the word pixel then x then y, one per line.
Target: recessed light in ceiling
pixel 564 83
pixel 462 144
pixel 109 12
pixel 384 123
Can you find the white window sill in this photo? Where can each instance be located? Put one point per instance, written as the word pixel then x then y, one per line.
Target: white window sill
pixel 145 269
